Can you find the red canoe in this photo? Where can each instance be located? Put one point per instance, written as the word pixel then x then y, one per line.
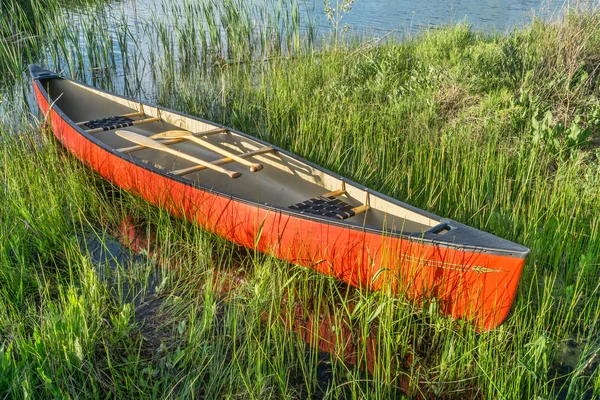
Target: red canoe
pixel 263 197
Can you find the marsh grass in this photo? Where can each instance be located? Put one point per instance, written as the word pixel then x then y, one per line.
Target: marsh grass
pixel 499 132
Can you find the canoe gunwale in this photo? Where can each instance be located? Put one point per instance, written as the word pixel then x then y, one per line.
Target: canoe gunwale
pixel 459 232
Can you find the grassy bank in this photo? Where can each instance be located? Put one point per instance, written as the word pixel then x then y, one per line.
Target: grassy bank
pixel 496 131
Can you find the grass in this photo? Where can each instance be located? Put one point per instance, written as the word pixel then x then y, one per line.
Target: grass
pixel 496 131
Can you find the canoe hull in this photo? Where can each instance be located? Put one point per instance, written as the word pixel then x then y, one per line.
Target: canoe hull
pixel 474 285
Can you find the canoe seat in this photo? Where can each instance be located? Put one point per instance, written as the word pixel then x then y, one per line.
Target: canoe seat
pixel 327 206
pixel 109 123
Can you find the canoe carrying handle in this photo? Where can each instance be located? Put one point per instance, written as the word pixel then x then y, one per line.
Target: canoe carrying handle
pixel 440 229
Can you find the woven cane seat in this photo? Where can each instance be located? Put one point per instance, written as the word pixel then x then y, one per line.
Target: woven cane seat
pixel 110 123
pixel 325 206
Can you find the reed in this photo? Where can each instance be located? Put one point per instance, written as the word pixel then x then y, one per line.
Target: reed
pixel 496 131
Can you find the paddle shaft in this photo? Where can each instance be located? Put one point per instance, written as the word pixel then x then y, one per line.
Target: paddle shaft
pixel 253 166
pixel 222 161
pixel 153 144
pixel 181 134
pixel 131 149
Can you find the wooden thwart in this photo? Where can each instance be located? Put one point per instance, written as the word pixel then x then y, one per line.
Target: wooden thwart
pixel 138 122
pixel 171 141
pixel 222 161
pixel 181 134
pixel 153 144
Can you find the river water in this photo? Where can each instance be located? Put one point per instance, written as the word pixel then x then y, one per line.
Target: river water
pixel 383 16
pixel 380 16
pixel 367 18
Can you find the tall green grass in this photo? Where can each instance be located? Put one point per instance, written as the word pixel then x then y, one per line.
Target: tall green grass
pixel 496 131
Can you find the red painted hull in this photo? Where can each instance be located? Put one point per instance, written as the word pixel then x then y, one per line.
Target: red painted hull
pixel 466 284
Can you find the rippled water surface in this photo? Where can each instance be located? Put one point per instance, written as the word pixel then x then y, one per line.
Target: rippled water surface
pixel 382 16
pixel 407 15
pixel 122 40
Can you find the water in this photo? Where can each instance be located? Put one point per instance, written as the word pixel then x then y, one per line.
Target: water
pixel 367 18
pixel 381 16
pixel 134 27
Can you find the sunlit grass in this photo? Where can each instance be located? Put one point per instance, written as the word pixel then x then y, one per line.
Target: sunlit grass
pixel 452 121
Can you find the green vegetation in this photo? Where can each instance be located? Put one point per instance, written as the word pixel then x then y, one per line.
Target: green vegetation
pixel 496 131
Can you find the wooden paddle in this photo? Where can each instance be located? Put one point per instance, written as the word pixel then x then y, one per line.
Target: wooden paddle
pixel 224 160
pixel 190 136
pixel 153 144
pixel 131 149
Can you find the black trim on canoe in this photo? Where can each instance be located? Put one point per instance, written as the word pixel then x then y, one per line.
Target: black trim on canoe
pixel 448 233
pixel 38 72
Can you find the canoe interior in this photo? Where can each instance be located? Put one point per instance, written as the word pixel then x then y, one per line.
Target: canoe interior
pixel 284 181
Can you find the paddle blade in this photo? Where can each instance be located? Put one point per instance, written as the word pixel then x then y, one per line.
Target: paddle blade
pixel 142 140
pixel 175 134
